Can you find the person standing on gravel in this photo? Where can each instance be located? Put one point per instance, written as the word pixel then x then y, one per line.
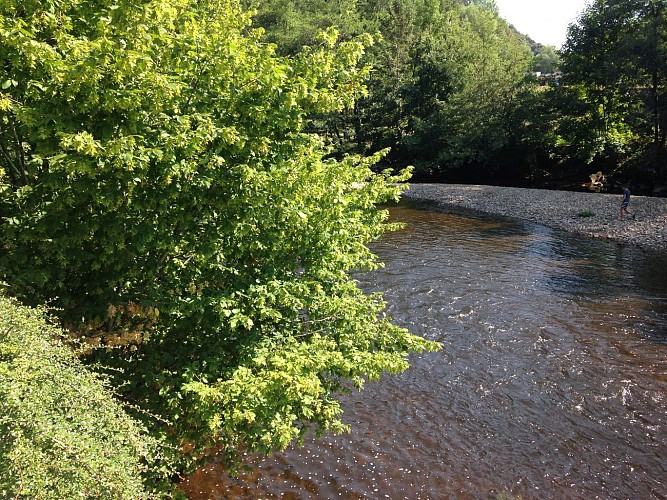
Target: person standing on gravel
pixel 625 202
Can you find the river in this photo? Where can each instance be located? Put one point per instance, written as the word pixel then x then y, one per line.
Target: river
pixel 551 382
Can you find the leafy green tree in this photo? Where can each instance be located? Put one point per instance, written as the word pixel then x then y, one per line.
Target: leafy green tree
pixel 488 66
pixel 163 192
pixel 294 24
pixel 547 59
pixel 62 433
pixel 616 53
pixel 447 75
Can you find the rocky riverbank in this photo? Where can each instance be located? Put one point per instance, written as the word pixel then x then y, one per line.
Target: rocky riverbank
pixel 591 214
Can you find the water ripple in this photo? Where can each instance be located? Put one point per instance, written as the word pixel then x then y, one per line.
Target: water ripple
pixel 551 382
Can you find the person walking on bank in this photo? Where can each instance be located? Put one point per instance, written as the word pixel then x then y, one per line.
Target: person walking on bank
pixel 625 202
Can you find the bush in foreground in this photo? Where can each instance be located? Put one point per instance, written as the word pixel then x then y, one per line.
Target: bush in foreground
pixel 62 434
pixel 164 190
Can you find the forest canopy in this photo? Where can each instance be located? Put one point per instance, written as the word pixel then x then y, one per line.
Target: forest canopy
pixel 462 96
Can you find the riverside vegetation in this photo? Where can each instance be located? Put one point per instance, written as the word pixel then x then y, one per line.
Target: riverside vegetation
pixel 163 197
pixel 187 194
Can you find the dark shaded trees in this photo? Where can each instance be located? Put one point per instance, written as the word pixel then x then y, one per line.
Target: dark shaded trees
pixel 447 76
pixel 488 67
pixel 450 90
pixel 616 54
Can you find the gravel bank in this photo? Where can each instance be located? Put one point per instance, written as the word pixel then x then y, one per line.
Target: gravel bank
pixel 591 214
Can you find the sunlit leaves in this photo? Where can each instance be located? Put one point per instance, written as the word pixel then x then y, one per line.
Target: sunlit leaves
pixel 167 166
pixel 63 434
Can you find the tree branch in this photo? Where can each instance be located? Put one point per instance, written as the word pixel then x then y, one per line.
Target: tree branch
pixel 13 171
pixel 20 154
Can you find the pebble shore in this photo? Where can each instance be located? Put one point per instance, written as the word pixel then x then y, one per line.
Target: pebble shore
pixel 591 214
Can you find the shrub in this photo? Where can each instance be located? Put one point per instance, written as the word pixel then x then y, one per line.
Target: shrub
pixel 62 434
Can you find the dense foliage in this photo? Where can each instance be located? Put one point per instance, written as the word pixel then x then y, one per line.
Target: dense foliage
pixel 452 89
pixel 62 434
pixel 547 60
pixel 616 59
pixel 161 189
pixel 447 78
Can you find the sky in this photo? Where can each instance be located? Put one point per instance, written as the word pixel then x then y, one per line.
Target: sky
pixel 545 21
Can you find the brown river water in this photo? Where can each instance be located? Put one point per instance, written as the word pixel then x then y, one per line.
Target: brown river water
pixel 551 382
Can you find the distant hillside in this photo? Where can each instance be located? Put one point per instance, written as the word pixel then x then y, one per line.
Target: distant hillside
pixel 534 46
